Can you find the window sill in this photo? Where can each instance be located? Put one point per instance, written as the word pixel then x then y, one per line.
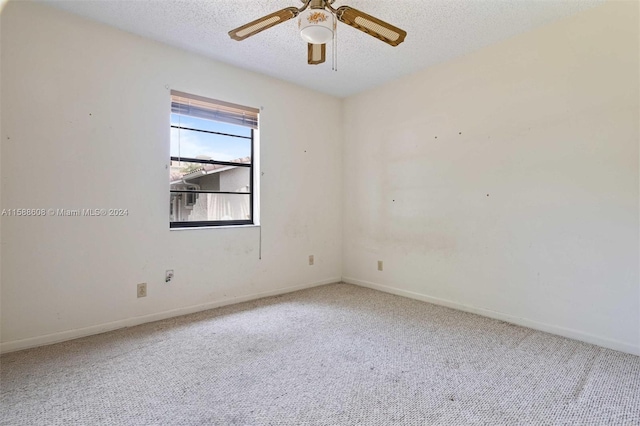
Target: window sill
pixel 189 228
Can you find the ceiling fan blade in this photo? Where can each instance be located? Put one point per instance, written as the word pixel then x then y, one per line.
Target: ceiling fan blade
pixel 271 20
pixel 317 53
pixel 370 25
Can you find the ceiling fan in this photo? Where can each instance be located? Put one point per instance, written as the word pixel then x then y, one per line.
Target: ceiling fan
pixel 317 21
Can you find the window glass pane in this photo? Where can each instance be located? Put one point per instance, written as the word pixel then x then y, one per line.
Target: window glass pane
pixel 192 144
pixel 209 177
pixel 193 207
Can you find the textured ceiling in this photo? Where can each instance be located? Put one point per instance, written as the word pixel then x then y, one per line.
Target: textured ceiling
pixel 438 30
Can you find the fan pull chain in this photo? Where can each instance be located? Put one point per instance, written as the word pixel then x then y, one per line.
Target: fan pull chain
pixel 335 46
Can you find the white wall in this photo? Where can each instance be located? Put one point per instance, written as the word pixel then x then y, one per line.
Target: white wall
pixel 85 124
pixel 525 207
pixel 1 205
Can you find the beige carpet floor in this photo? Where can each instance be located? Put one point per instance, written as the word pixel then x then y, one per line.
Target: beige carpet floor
pixel 331 355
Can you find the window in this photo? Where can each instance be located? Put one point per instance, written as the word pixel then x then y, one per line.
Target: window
pixel 212 164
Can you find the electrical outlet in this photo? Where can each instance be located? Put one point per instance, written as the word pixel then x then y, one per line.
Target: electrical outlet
pixel 142 290
pixel 168 275
pixel 379 265
pixel 310 260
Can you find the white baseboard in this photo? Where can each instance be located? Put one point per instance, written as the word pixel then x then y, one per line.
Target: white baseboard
pixel 549 328
pixel 62 336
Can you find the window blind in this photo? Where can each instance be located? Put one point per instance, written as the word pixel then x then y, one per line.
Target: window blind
pixel 211 109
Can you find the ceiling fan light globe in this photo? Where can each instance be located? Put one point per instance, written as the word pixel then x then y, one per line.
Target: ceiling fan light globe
pixel 316 26
pixel 316 34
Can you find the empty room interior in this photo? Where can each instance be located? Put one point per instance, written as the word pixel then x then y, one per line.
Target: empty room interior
pixel 331 212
